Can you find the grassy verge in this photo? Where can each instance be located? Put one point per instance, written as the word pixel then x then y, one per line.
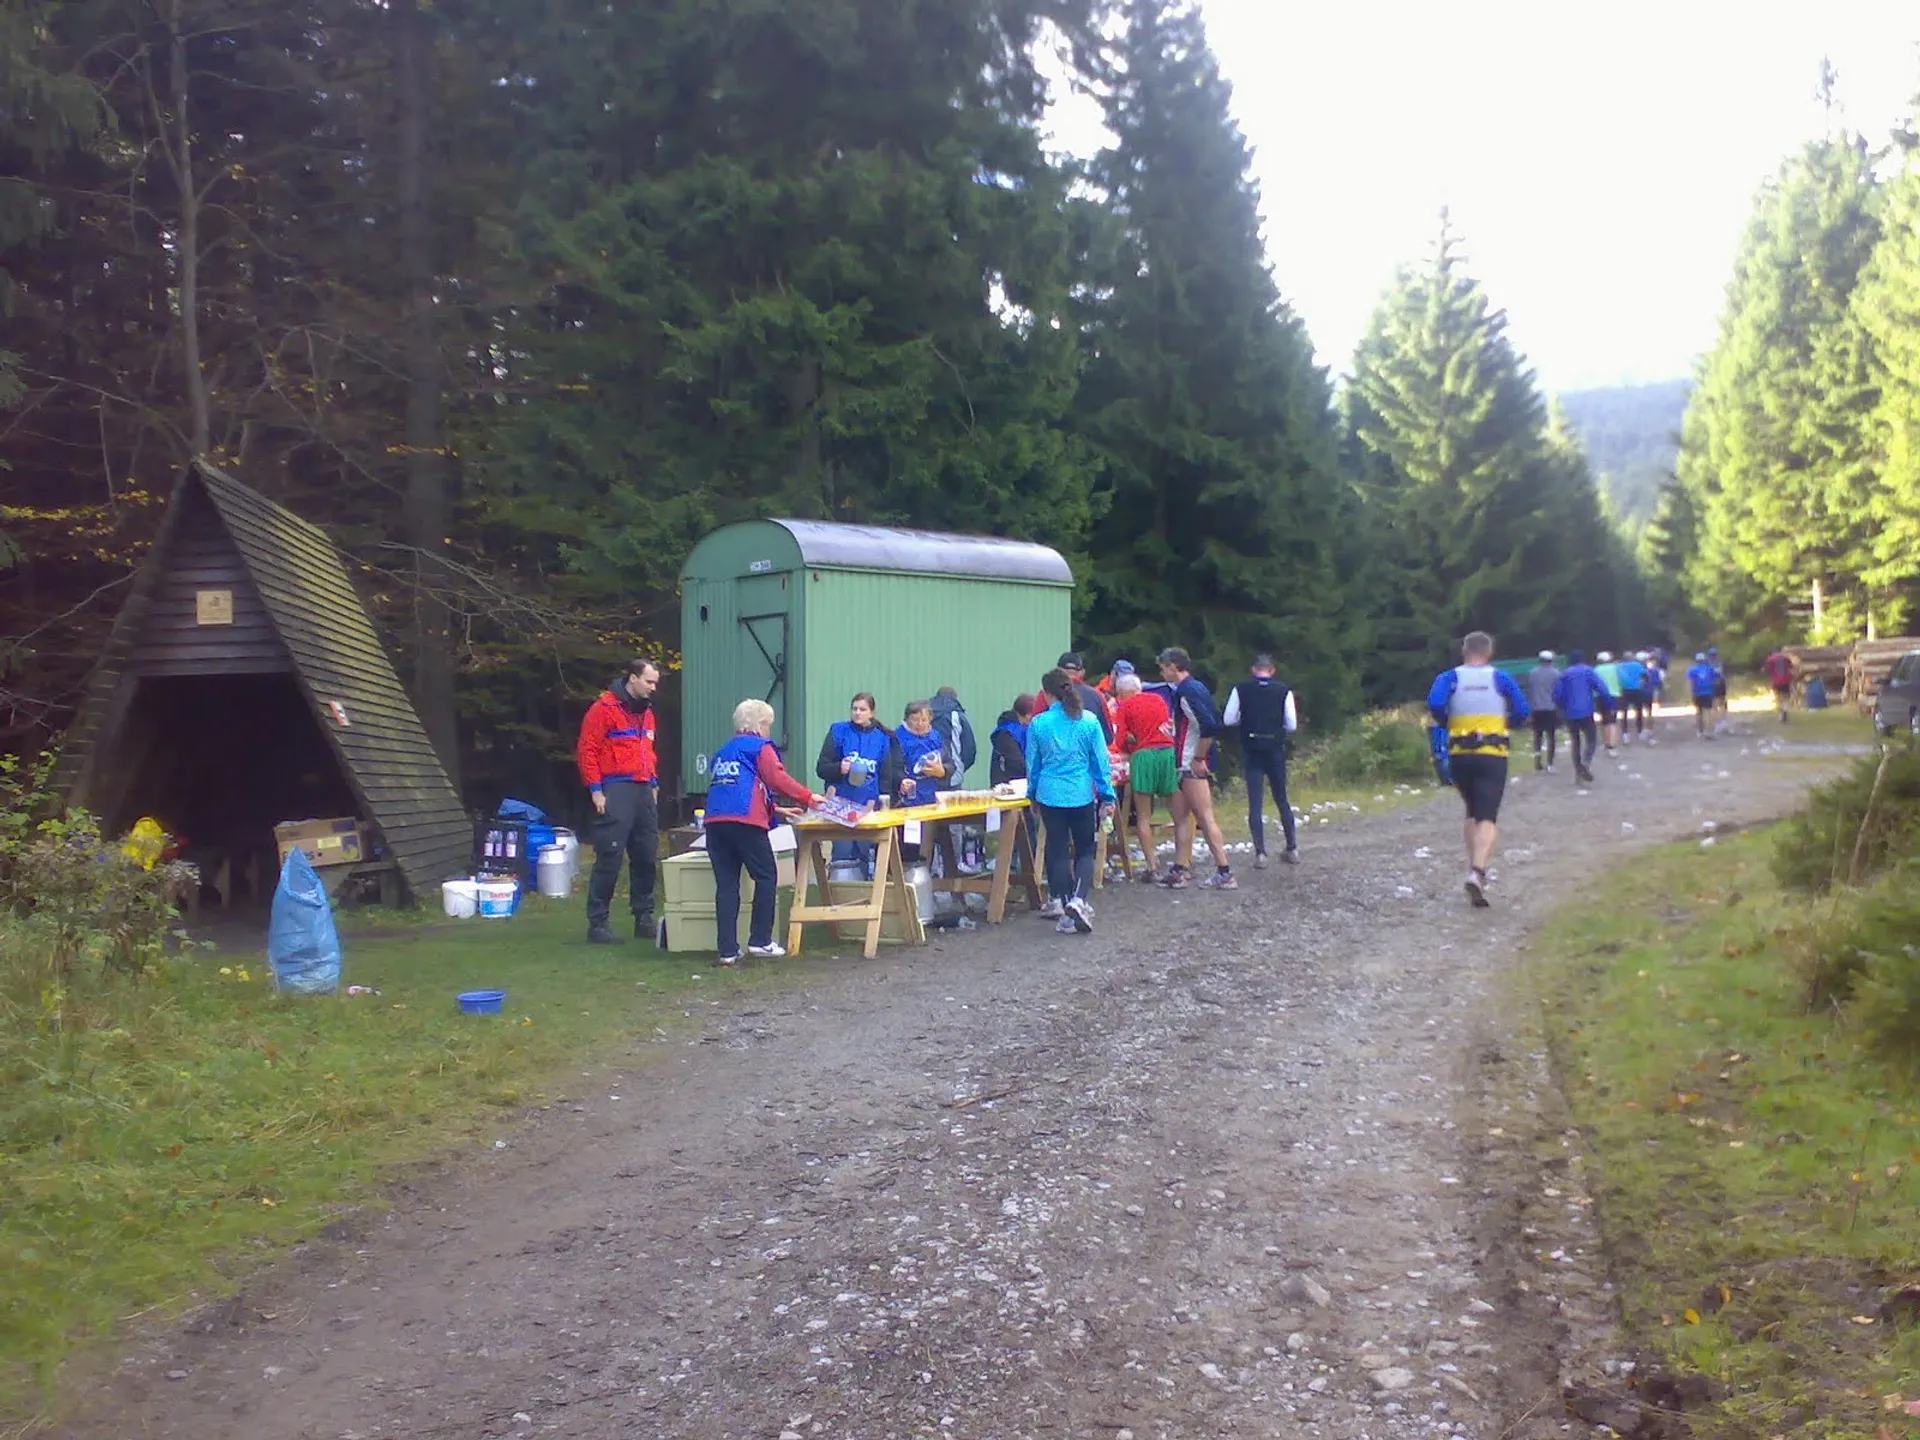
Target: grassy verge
pixel 1755 1170
pixel 156 1140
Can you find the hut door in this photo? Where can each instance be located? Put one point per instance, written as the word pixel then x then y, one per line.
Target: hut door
pixel 764 617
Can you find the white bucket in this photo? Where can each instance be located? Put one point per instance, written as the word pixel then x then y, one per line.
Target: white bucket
pixel 460 898
pixel 494 898
pixel 554 877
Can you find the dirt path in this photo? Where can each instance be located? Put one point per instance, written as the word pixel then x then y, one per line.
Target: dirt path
pixel 1235 1166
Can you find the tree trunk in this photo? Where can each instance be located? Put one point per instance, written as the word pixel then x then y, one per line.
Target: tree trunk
pixel 428 509
pixel 181 146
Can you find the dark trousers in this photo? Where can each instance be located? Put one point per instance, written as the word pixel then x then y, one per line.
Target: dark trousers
pixel 733 846
pixel 1070 833
pixel 1584 737
pixel 1546 727
pixel 630 830
pixel 1269 766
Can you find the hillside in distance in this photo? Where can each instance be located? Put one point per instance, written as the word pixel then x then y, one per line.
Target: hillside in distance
pixel 1631 434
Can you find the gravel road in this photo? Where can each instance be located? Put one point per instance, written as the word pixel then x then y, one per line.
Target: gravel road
pixel 1252 1164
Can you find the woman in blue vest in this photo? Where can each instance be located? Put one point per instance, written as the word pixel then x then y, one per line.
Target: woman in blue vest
pixel 852 759
pixel 745 777
pixel 920 765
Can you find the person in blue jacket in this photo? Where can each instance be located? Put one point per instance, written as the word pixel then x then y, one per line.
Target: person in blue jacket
pixel 1070 781
pixel 1705 683
pixel 1636 695
pixel 1478 706
pixel 920 765
pixel 1581 697
pixel 852 759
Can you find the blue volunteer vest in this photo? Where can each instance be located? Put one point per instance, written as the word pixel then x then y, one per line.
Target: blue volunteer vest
pixel 916 749
pixel 735 778
pixel 851 742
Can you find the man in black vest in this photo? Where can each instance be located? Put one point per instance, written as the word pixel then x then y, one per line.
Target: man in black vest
pixel 1263 709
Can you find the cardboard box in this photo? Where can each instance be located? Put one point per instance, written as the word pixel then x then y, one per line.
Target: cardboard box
pixel 327 842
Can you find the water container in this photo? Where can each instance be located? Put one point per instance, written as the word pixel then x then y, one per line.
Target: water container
pixel 460 898
pixel 569 842
pixel 495 898
pixel 846 870
pixel 556 880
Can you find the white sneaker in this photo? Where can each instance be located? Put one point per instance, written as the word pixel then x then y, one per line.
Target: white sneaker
pixel 727 960
pixel 1260 861
pixel 1065 926
pixel 1290 856
pixel 1081 914
pixel 767 952
pixel 1052 910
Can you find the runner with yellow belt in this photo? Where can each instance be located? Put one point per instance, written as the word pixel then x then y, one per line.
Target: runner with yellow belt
pixel 1476 705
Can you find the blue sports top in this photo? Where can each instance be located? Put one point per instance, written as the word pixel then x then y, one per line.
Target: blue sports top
pixel 1580 693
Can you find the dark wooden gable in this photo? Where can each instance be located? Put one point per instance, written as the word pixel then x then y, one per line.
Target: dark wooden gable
pixel 316 618
pixel 204 575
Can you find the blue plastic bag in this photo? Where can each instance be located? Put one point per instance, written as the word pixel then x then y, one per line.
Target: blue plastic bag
pixel 303 948
pixel 521 810
pixel 1438 741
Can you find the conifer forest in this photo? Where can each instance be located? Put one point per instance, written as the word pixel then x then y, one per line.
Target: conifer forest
pixel 518 302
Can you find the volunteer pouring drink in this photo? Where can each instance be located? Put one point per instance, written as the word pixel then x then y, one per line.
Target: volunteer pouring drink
pixel 746 775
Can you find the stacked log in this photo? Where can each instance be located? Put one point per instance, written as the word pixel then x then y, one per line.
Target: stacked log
pixel 1828 662
pixel 1870 664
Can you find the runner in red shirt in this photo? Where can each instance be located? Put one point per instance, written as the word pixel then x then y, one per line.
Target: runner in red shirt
pixel 1144 733
pixel 1779 668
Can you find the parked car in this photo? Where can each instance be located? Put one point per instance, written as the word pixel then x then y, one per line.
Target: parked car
pixel 1897 704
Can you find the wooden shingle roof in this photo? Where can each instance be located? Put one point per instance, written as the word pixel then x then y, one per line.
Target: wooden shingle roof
pixel 342 670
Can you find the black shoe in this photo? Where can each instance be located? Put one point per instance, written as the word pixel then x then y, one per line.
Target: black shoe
pixel 602 935
pixel 643 927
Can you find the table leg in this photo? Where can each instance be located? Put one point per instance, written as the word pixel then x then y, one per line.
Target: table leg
pixel 1029 866
pixel 813 858
pixel 1003 867
pixel 886 871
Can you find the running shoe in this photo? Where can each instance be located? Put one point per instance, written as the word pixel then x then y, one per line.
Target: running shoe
pixel 1260 860
pixel 1220 880
pixel 771 950
pixel 727 960
pixel 1080 914
pixel 1150 876
pixel 1065 926
pixel 1477 889
pixel 1178 877
pixel 1290 856
pixel 1052 910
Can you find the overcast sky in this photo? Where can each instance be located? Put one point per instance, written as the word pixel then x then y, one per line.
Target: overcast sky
pixel 1599 159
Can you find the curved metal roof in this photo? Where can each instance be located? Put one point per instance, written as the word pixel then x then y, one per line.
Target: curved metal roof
pixel 831 545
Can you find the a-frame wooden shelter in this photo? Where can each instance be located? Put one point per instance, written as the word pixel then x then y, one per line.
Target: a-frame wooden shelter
pixel 245 684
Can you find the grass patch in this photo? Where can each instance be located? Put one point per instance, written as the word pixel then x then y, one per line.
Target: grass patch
pixel 159 1138
pixel 1754 1165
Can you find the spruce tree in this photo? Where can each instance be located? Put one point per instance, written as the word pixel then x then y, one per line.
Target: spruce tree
pixel 1482 521
pixel 1886 308
pixel 1775 451
pixel 1224 508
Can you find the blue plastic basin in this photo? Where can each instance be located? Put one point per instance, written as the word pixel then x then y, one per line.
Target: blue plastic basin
pixel 482 1002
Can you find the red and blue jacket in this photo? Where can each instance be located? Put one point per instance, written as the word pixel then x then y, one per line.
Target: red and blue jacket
pixel 616 743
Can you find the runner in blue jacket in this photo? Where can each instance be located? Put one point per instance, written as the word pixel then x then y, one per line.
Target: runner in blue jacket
pixel 1581 697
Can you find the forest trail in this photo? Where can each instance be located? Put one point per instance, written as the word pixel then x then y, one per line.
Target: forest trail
pixel 1222 1169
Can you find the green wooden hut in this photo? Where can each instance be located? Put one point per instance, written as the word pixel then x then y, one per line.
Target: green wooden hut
pixel 806 613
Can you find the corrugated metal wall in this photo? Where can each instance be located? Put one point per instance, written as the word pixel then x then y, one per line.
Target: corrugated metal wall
pixel 904 636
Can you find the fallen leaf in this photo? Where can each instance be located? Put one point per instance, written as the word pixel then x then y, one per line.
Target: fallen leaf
pixel 1865 1320
pixel 1691 1315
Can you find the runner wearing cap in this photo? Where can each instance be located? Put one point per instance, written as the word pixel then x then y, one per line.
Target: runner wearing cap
pixel 1703 679
pixel 1090 698
pixel 1608 669
pixel 1541 681
pixel 1636 694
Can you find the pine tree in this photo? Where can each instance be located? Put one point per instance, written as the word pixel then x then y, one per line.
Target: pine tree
pixel 1224 506
pixel 1886 308
pixel 1482 521
pixel 1776 451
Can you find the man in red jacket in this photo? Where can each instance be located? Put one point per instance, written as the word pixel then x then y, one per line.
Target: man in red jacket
pixel 619 768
